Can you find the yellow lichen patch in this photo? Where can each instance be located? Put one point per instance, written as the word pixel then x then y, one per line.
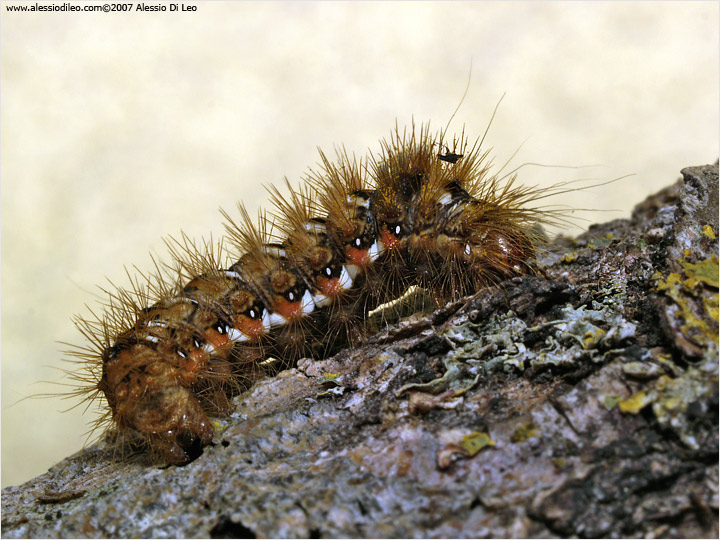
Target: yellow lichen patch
pixel 469 445
pixel 705 271
pixel 667 364
pixel 524 432
pixel 642 370
pixel 609 402
pixel 666 283
pixel 331 381
pixel 600 242
pixel 674 395
pixel 694 323
pixel 671 396
pixel 569 257
pixel 473 442
pixel 329 378
pixel 698 328
pixel 635 403
pixel 711 306
pixel 708 231
pixel 592 338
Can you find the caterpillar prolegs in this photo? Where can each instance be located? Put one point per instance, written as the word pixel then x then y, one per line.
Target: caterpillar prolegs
pixel 170 354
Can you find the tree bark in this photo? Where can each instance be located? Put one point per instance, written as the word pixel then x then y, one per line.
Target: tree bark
pixel 583 402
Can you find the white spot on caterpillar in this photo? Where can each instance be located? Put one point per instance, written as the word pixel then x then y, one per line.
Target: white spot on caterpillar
pixel 159 324
pixel 374 251
pixel 276 319
pixel 275 251
pixel 315 228
pixel 237 336
pixel 345 280
pixel 359 200
pixel 380 247
pixel 308 306
pixel 266 321
pixel 320 300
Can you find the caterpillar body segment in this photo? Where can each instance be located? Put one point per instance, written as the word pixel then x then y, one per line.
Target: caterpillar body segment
pixel 170 354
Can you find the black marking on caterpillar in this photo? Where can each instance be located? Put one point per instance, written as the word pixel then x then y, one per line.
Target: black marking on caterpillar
pixel 449 157
pixel 169 353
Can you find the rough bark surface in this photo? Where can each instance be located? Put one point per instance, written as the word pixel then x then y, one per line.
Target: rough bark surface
pixel 583 402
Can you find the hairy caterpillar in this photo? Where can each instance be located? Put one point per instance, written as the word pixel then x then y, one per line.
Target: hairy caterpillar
pixel 170 353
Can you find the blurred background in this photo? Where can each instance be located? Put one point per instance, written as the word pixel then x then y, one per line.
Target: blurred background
pixel 119 129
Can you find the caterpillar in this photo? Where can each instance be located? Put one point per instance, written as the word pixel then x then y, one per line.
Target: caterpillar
pixel 168 354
